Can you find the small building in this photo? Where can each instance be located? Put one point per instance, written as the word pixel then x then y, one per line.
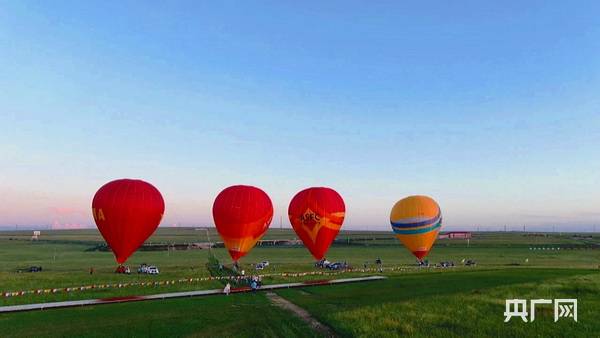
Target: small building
pixel 455 235
pixel 459 235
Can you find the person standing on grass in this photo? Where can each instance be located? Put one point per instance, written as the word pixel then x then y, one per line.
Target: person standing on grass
pixel 227 289
pixel 91 270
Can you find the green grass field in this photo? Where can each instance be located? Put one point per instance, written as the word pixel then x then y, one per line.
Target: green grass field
pixel 243 315
pixel 461 301
pixel 467 303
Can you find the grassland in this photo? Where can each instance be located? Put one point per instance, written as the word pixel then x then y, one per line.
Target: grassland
pixel 240 315
pixel 428 304
pixel 443 304
pixel 463 301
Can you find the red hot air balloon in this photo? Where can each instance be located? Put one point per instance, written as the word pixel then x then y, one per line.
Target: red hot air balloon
pixel 242 215
pixel 127 212
pixel 317 215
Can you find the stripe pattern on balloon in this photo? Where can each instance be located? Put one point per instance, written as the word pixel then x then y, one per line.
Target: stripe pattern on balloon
pixel 416 222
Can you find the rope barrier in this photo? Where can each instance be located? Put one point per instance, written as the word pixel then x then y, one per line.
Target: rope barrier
pixel 187 280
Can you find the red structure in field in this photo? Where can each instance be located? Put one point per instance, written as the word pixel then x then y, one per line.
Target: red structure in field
pixel 242 215
pixel 127 212
pixel 317 215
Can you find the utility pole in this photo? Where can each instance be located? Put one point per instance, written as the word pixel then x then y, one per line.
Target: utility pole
pixel 208 239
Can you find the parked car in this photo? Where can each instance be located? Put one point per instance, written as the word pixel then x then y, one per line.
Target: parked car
pixel 323 263
pixel 338 266
pixel 424 263
pixel 30 269
pixel 446 264
pixel 148 269
pixel 152 270
pixel 470 262
pixel 335 266
pixel 262 265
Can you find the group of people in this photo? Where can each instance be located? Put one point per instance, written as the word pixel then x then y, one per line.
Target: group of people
pixel 255 283
pixel 378 262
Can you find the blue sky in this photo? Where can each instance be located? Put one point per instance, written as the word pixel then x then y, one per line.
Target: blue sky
pixel 491 109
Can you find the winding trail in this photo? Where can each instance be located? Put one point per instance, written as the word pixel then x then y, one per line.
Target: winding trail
pixel 301 313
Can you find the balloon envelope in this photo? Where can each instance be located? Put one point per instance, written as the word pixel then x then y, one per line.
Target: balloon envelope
pixel 416 221
pixel 127 212
pixel 317 215
pixel 242 215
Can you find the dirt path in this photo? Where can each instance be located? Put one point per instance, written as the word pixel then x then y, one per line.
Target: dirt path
pixel 301 313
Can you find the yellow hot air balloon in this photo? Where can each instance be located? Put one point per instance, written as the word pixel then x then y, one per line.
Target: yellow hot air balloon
pixel 416 221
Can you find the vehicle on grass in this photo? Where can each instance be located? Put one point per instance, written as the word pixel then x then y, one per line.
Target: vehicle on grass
pixel 262 265
pixel 31 269
pixel 148 269
pixel 338 266
pixel 152 270
pixel 335 266
pixel 323 263
pixel 470 262
pixel 446 264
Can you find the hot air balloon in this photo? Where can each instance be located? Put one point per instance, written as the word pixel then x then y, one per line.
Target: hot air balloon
pixel 242 215
pixel 317 215
pixel 127 212
pixel 416 221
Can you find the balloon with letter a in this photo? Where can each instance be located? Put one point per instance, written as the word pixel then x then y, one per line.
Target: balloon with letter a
pixel 127 212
